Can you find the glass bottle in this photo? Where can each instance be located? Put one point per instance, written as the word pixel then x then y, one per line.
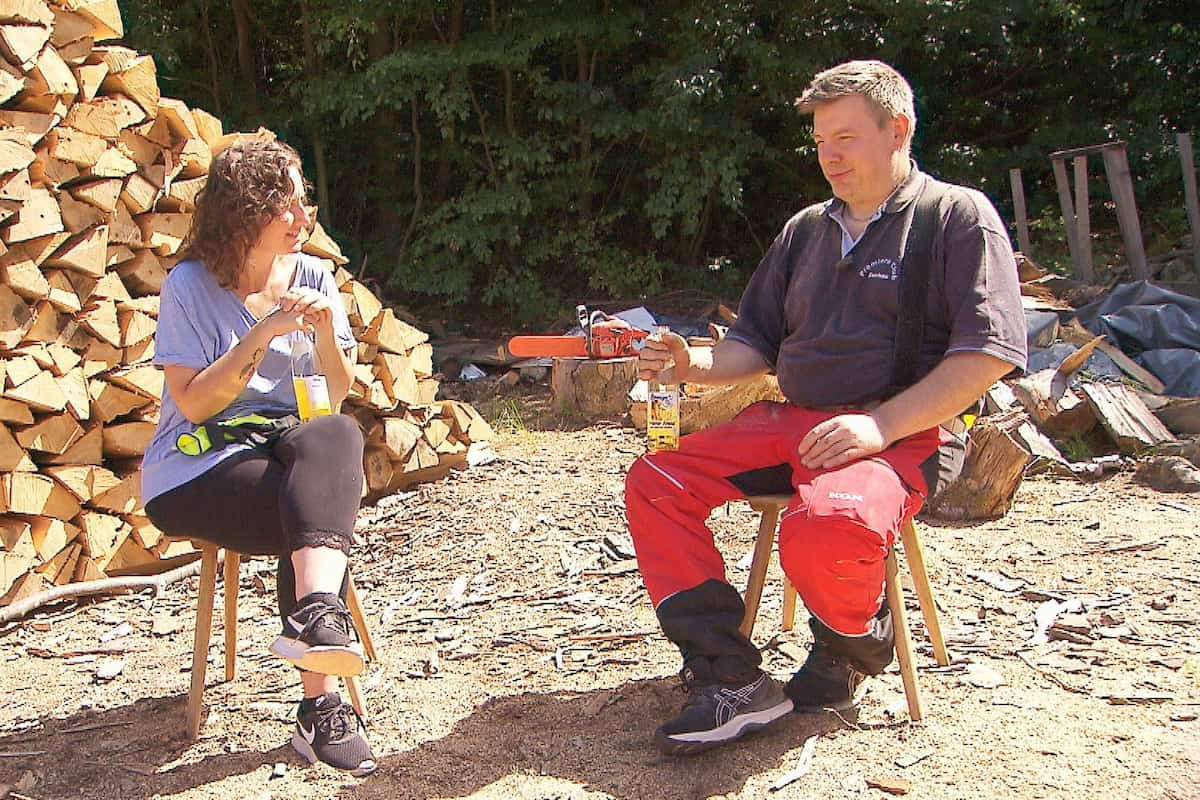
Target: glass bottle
pixel 312 392
pixel 662 410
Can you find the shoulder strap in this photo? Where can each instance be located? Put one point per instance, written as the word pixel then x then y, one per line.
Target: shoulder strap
pixel 806 227
pixel 915 269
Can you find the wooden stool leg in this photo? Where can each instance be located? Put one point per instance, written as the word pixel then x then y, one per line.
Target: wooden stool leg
pixel 232 562
pixel 916 564
pixel 758 566
pixel 204 613
pixel 360 620
pixel 904 656
pixel 356 700
pixel 789 604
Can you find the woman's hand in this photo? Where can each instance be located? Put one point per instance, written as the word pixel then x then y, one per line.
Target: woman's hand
pixel 311 305
pixel 300 309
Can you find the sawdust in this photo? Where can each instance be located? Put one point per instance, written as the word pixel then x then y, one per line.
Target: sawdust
pixel 521 659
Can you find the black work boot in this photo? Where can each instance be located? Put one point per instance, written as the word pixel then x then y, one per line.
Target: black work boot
pixel 825 681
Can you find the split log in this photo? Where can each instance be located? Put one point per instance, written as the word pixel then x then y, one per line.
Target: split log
pixel 704 407
pixel 995 463
pixel 1131 425
pixel 1069 416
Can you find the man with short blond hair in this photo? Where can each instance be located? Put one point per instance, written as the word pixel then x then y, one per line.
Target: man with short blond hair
pixel 885 312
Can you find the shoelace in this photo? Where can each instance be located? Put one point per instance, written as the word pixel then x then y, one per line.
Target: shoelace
pixel 341 721
pixel 328 615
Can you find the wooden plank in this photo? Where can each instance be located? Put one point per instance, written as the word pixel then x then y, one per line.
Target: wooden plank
pixel 1132 426
pixel 1068 212
pixel 1184 140
pixel 1083 219
pixel 1116 166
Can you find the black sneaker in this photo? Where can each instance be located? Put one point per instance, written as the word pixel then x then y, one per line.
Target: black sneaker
pixel 320 637
pixel 825 681
pixel 331 732
pixel 717 713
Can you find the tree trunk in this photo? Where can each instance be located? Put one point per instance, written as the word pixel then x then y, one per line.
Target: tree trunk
pixel 245 54
pixel 381 44
pixel 210 54
pixel 324 212
pixel 441 184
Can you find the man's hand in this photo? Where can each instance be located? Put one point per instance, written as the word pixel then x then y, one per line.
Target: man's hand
pixel 658 353
pixel 840 440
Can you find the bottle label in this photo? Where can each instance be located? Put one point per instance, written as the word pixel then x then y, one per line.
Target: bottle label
pixel 662 420
pixel 312 397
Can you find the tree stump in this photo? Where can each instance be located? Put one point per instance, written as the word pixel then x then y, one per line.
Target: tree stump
pixel 593 387
pixel 995 463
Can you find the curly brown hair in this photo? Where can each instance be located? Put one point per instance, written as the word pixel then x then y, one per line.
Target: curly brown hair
pixel 249 184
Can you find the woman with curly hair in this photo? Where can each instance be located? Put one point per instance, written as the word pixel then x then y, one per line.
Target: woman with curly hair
pixel 227 314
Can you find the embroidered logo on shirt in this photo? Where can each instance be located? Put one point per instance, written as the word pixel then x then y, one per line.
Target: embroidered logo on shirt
pixel 884 269
pixel 853 498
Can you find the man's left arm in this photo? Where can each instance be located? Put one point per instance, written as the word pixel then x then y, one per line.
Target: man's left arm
pixel 951 387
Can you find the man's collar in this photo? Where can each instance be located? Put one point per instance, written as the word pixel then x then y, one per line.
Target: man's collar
pixel 907 191
pixel 898 200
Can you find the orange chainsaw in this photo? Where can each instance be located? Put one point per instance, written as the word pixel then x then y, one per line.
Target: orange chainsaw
pixel 603 337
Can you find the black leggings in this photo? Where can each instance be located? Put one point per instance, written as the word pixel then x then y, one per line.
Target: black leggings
pixel 303 491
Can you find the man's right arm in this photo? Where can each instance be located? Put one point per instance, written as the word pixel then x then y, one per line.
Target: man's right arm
pixel 672 361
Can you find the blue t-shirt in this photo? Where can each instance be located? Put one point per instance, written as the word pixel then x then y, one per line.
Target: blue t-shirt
pixel 198 322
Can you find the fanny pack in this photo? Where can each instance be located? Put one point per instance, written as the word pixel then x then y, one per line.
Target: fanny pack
pixel 253 429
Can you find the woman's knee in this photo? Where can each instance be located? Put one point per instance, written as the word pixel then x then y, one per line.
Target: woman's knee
pixel 325 437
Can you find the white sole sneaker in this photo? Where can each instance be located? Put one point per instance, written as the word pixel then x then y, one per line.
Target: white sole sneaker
pixel 305 751
pixel 344 661
pixel 681 744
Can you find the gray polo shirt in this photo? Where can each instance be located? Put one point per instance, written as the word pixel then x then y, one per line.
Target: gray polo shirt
pixel 829 332
pixel 198 322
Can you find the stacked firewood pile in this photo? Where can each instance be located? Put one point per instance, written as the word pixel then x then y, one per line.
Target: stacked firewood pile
pixel 98 179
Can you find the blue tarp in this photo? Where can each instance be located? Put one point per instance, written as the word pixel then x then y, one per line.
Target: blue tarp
pixel 1160 327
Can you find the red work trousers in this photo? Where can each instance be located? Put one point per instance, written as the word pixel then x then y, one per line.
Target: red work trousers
pixel 833 537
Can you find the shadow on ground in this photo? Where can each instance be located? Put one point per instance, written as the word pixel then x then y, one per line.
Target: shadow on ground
pixel 599 740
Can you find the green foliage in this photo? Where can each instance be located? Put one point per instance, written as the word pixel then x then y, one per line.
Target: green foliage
pixel 518 157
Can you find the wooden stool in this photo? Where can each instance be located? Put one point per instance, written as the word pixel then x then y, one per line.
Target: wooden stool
pixel 204 615
pixel 770 506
